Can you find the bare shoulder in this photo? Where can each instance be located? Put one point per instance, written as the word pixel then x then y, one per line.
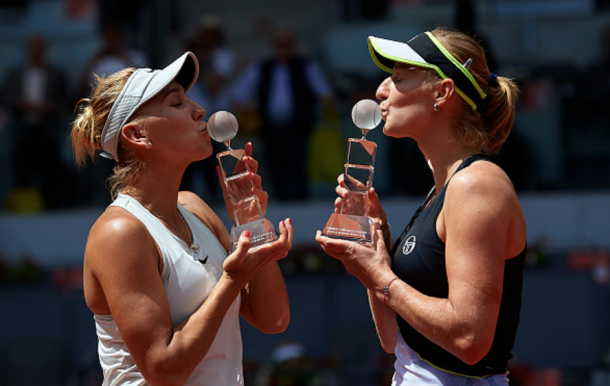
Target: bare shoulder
pixel 483 196
pixel 117 231
pixel 199 208
pixel 482 180
pixel 116 224
pixel 118 245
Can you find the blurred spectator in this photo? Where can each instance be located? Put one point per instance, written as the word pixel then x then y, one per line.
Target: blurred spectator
pixel 211 91
pixel 216 69
pixel 35 94
pixel 287 88
pixel 112 56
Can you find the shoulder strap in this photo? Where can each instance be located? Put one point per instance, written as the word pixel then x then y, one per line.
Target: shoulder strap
pixel 470 160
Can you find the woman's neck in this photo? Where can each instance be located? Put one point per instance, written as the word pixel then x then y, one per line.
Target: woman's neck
pixel 443 154
pixel 157 191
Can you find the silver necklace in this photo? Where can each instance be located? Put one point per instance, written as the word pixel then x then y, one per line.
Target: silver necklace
pixel 191 241
pixel 192 245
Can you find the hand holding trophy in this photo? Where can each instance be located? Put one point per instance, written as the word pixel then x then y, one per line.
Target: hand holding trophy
pixel 243 204
pixel 352 221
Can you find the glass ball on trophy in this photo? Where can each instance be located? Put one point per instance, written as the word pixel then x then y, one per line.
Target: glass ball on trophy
pixel 247 212
pixel 352 221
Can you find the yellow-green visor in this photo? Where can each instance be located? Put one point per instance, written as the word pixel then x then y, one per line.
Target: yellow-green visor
pixel 424 50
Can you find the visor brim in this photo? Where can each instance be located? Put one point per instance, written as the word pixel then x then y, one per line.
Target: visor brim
pixel 386 52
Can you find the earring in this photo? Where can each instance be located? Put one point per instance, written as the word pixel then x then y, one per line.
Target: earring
pixel 435 107
pixel 149 144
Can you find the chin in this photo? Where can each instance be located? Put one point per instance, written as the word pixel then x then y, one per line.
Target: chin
pixel 206 154
pixel 388 131
pixel 395 132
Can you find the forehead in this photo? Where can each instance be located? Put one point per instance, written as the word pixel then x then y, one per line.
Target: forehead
pixel 174 88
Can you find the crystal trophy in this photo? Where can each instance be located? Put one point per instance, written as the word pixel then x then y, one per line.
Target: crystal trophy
pixel 352 221
pixel 247 212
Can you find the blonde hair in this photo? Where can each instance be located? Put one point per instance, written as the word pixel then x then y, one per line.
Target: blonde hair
pixel 86 134
pixel 488 126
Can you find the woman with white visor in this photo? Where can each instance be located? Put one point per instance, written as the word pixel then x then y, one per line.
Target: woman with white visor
pixel 446 296
pixel 165 295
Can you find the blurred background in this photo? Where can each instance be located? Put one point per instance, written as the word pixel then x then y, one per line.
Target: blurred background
pixel 558 157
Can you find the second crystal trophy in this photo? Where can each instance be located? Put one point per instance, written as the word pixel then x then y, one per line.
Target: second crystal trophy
pixel 247 212
pixel 352 221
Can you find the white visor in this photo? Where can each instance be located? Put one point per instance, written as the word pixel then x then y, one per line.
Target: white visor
pixel 395 51
pixel 141 86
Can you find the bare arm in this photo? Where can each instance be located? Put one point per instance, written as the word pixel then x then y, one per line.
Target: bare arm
pixel 383 316
pixel 385 322
pixel 480 205
pixel 264 302
pixel 475 224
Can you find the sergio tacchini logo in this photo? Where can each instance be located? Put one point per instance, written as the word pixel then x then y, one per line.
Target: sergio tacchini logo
pixel 409 245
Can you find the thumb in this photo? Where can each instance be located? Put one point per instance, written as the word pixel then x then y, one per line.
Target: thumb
pixel 243 244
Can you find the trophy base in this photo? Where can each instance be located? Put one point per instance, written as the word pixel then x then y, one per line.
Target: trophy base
pixel 359 229
pixel 261 232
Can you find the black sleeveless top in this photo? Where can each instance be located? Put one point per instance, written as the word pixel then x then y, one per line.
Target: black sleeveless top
pixel 418 258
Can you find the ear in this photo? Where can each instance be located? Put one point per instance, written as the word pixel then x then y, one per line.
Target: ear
pixel 135 135
pixel 444 91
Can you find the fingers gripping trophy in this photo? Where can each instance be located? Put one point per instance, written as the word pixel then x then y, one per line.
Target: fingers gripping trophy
pixel 247 211
pixel 352 221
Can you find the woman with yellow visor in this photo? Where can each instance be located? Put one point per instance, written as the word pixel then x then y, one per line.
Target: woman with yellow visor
pixel 446 296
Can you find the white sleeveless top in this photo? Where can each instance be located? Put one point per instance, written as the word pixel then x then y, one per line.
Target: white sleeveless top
pixel 188 282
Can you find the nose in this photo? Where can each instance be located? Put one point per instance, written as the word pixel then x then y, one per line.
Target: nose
pixel 198 112
pixel 383 89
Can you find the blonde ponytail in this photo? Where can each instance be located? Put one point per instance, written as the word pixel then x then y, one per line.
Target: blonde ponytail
pixel 498 112
pixel 91 115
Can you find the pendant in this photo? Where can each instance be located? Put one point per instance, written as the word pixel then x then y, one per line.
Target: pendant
pixel 194 248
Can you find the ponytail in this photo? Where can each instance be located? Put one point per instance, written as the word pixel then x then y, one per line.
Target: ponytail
pixel 86 134
pixel 488 126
